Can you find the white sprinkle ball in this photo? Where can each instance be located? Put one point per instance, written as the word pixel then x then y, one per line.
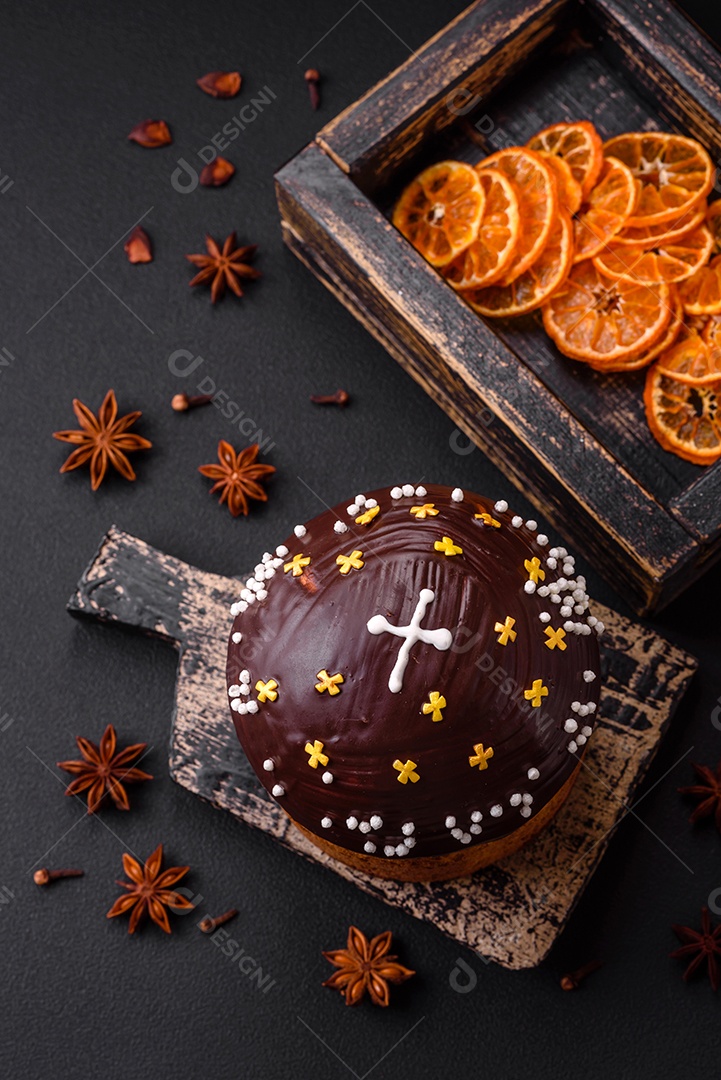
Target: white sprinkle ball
pixel 543 590
pixel 326 823
pixel 235 609
pixel 561 553
pixel 261 594
pixel 352 822
pixel 527 799
pixel 360 500
pixel 555 598
pixel 401 849
pixel 388 850
pixel 533 774
pixel 476 815
pixel 365 826
pixel 526 811
pixel 531 524
pixel 237 705
pixel 369 847
pixel 421 492
pixel 281 551
pixel 278 790
pixel 529 587
pixel 551 563
pixel 570 726
pixel 237 637
pixel 565 611
pixel 327 777
pixel 587 731
pixel 244 675
pixel 583 710
pixel 496 810
pixel 300 531
pixel 568 626
pixel 457 494
pixel 408 829
pixel 252 706
pixel 340 527
pixel 572 747
pixel 456 833
pixel 599 627
pixel 450 822
pixel 476 829
pixel 244 689
pixel 234 690
pixel 501 506
pixel 266 557
pixel 541 539
pixel 592 620
pixel 575 706
pixel 353 509
pixel 408 490
pixel 553 552
pixel 580 739
pixel 371 504
pixel 410 841
pixel 516 522
pixel 376 822
pixel 268 765
pixel 466 838
pixel 544 617
pixel 396 493
pixel 592 706
pixel 515 799
pixel 579 609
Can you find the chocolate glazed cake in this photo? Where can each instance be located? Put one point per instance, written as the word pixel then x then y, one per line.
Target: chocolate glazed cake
pixel 414 677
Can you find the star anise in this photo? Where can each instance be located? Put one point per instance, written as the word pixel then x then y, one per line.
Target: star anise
pixel 103 440
pixel 149 891
pixel 703 945
pixel 709 793
pixel 225 267
pixel 236 477
pixel 104 772
pixel 365 967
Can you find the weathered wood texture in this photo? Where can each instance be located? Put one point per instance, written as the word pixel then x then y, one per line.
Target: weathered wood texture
pixel 574 441
pixel 510 913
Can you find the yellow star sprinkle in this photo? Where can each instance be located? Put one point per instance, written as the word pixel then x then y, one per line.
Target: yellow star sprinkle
pixel 536 693
pixel 296 564
pixel 366 517
pixel 447 546
pixel 481 757
pixel 350 562
pixel 488 520
pixel 421 512
pixel 315 750
pixel 505 630
pixel 433 706
pixel 555 638
pixel 329 682
pixel 267 691
pixel 406 772
pixel 535 572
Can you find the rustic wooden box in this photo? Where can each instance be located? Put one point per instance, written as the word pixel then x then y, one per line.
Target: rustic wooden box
pixel 574 441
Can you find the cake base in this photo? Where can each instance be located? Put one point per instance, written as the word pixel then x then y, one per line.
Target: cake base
pixel 459 863
pixel 511 912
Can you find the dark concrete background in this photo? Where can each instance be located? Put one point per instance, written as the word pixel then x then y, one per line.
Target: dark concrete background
pixel 79 997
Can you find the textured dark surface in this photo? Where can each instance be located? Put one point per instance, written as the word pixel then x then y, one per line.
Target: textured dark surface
pixel 79 997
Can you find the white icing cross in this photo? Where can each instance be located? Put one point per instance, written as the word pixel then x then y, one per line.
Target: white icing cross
pixel 441 639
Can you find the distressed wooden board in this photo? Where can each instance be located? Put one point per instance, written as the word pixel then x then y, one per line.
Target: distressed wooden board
pixel 510 913
pixel 574 441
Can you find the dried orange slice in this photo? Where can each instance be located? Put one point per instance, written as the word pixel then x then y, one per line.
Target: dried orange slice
pixel 596 319
pixel 537 202
pixel 606 210
pixel 440 211
pixel 670 262
pixel 710 330
pixel 487 257
pixel 701 294
pixel 675 173
pixel 668 232
pixel 713 220
pixel 534 286
pixel 684 419
pixel 667 339
pixel 568 188
pixel 580 146
pixel 692 361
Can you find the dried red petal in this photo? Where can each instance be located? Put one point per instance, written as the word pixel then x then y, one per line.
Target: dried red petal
pixel 151 133
pixel 138 247
pixel 217 173
pixel 220 84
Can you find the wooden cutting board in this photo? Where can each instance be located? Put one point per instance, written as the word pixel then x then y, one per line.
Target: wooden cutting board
pixel 512 912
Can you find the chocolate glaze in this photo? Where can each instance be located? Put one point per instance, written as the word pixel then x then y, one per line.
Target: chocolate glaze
pixel 319 621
